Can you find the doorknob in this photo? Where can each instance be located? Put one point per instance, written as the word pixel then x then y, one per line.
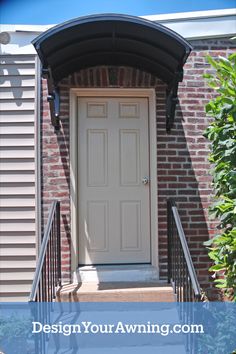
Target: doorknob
pixel 145 180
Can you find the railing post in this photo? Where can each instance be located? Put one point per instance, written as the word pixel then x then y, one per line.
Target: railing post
pixel 169 227
pixel 58 242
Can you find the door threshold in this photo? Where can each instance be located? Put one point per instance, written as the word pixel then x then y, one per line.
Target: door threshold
pixel 117 273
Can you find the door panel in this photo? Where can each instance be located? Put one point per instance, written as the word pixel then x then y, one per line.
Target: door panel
pixel 97 157
pixel 96 226
pixel 130 216
pixel 113 157
pixel 129 157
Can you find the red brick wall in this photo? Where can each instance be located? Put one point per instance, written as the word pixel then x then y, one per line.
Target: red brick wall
pixel 183 170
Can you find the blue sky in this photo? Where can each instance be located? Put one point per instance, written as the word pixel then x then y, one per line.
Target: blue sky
pixel 56 11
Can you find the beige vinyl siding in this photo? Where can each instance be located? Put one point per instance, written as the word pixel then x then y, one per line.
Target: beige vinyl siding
pixel 17 176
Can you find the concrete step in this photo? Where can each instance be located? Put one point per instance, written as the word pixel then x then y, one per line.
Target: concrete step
pixel 116 292
pixel 119 273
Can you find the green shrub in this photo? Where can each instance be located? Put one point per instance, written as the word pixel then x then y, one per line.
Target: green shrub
pixel 222 135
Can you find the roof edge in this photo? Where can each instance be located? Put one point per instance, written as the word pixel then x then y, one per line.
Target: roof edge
pixel 111 17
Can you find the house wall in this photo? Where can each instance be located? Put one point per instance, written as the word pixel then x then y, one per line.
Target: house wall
pixel 17 176
pixel 183 171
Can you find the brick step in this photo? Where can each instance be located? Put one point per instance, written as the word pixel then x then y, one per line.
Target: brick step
pixel 116 292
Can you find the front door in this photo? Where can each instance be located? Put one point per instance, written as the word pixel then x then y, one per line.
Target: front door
pixel 113 185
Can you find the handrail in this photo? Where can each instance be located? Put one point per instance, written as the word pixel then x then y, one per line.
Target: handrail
pixel 187 255
pixel 181 270
pixel 48 269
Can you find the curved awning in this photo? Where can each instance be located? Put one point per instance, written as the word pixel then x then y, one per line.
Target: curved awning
pixel 111 39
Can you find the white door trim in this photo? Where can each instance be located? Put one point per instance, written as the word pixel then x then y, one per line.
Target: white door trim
pixel 112 92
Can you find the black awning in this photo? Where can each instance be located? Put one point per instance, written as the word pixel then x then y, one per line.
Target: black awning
pixel 111 39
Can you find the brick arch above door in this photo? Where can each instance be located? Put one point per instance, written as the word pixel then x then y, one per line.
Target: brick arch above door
pixel 111 76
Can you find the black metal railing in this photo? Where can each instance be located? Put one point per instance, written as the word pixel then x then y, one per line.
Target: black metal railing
pixel 47 276
pixel 181 272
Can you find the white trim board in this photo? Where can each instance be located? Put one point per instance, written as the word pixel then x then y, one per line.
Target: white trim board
pixel 37 137
pixel 111 92
pixel 200 24
pixel 204 28
pixel 190 25
pixel 191 15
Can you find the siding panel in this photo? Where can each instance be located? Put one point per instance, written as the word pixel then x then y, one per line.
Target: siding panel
pixel 17 226
pixel 17 104
pixel 14 93
pixel 19 70
pixel 13 277
pixel 16 251
pixel 16 141
pixel 16 189
pixel 8 153
pixel 9 177
pixel 17 176
pixel 22 238
pixel 10 286
pixel 10 129
pixel 15 214
pixel 16 117
pixel 15 81
pixel 17 165
pixel 11 201
pixel 17 263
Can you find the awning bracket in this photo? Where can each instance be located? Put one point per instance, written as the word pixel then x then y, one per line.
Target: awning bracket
pixel 53 98
pixel 172 99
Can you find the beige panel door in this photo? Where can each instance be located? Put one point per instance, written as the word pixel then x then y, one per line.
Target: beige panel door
pixel 113 153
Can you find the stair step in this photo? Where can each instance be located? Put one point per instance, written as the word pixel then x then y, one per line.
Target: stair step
pixel 119 273
pixel 116 292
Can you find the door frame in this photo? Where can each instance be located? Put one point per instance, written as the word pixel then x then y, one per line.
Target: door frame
pixel 74 174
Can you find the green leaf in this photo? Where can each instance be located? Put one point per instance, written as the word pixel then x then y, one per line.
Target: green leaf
pixel 220 281
pixel 212 61
pixel 208 76
pixel 221 286
pixel 217 267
